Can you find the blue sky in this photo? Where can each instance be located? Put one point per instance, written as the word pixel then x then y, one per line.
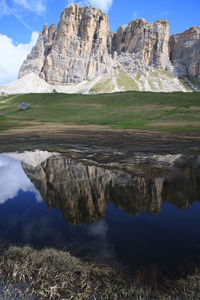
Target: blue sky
pixel 21 20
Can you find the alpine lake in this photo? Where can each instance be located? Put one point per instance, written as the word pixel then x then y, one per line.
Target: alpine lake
pixel 106 202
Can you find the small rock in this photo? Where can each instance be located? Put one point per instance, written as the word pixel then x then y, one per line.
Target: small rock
pixel 3 94
pixel 23 106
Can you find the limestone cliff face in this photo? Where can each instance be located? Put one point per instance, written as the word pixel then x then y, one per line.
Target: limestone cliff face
pixel 82 48
pixel 145 42
pixel 75 51
pixel 185 51
pixel 35 60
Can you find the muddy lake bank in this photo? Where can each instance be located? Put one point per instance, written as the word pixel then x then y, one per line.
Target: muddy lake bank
pixel 97 138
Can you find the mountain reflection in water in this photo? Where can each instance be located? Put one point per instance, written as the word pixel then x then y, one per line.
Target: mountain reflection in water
pixel 108 214
pixel 82 192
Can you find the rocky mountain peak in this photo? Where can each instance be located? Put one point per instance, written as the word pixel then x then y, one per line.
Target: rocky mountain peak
pixel 87 23
pixel 75 51
pixel 148 40
pixel 185 51
pixel 81 48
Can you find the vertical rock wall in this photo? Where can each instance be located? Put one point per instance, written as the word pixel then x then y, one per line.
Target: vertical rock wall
pixel 82 48
pixel 75 51
pixel 148 40
pixel 185 52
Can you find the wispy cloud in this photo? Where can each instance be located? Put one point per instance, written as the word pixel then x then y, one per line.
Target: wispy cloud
pixel 19 6
pixel 135 14
pixel 103 249
pixel 4 8
pixel 166 12
pixel 34 6
pixel 23 22
pixel 105 5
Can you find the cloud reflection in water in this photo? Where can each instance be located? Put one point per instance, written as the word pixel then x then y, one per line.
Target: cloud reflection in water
pixel 98 232
pixel 13 179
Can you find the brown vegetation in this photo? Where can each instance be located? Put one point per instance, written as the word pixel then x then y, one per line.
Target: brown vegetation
pixel 26 273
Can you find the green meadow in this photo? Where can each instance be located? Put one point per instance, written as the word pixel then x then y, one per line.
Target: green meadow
pixel 170 112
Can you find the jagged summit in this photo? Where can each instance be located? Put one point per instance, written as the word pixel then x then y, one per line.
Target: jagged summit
pixel 75 51
pixel 185 51
pixel 139 56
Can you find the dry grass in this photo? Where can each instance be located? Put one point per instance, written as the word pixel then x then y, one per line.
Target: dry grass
pixel 54 274
pixel 26 273
pixel 168 124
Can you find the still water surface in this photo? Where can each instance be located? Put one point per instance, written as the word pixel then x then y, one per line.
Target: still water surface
pixel 102 214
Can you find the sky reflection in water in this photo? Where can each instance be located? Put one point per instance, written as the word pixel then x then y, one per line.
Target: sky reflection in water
pixel 13 179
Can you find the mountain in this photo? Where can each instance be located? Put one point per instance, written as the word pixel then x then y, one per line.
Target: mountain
pixel 82 192
pixel 81 55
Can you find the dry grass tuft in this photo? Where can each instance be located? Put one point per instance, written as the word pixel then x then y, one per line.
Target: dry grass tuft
pixel 26 273
pixel 55 274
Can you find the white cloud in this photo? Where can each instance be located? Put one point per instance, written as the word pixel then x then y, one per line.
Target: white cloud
pixel 98 232
pixel 12 57
pixel 105 5
pixel 13 179
pixel 102 4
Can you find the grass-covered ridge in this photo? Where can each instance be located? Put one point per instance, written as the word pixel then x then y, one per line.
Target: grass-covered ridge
pixel 137 110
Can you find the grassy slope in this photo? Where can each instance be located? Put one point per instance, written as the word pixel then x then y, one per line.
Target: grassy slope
pixel 139 110
pixel 125 81
pixel 105 84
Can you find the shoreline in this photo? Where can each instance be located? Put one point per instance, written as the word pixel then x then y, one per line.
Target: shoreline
pixel 27 273
pixel 61 138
